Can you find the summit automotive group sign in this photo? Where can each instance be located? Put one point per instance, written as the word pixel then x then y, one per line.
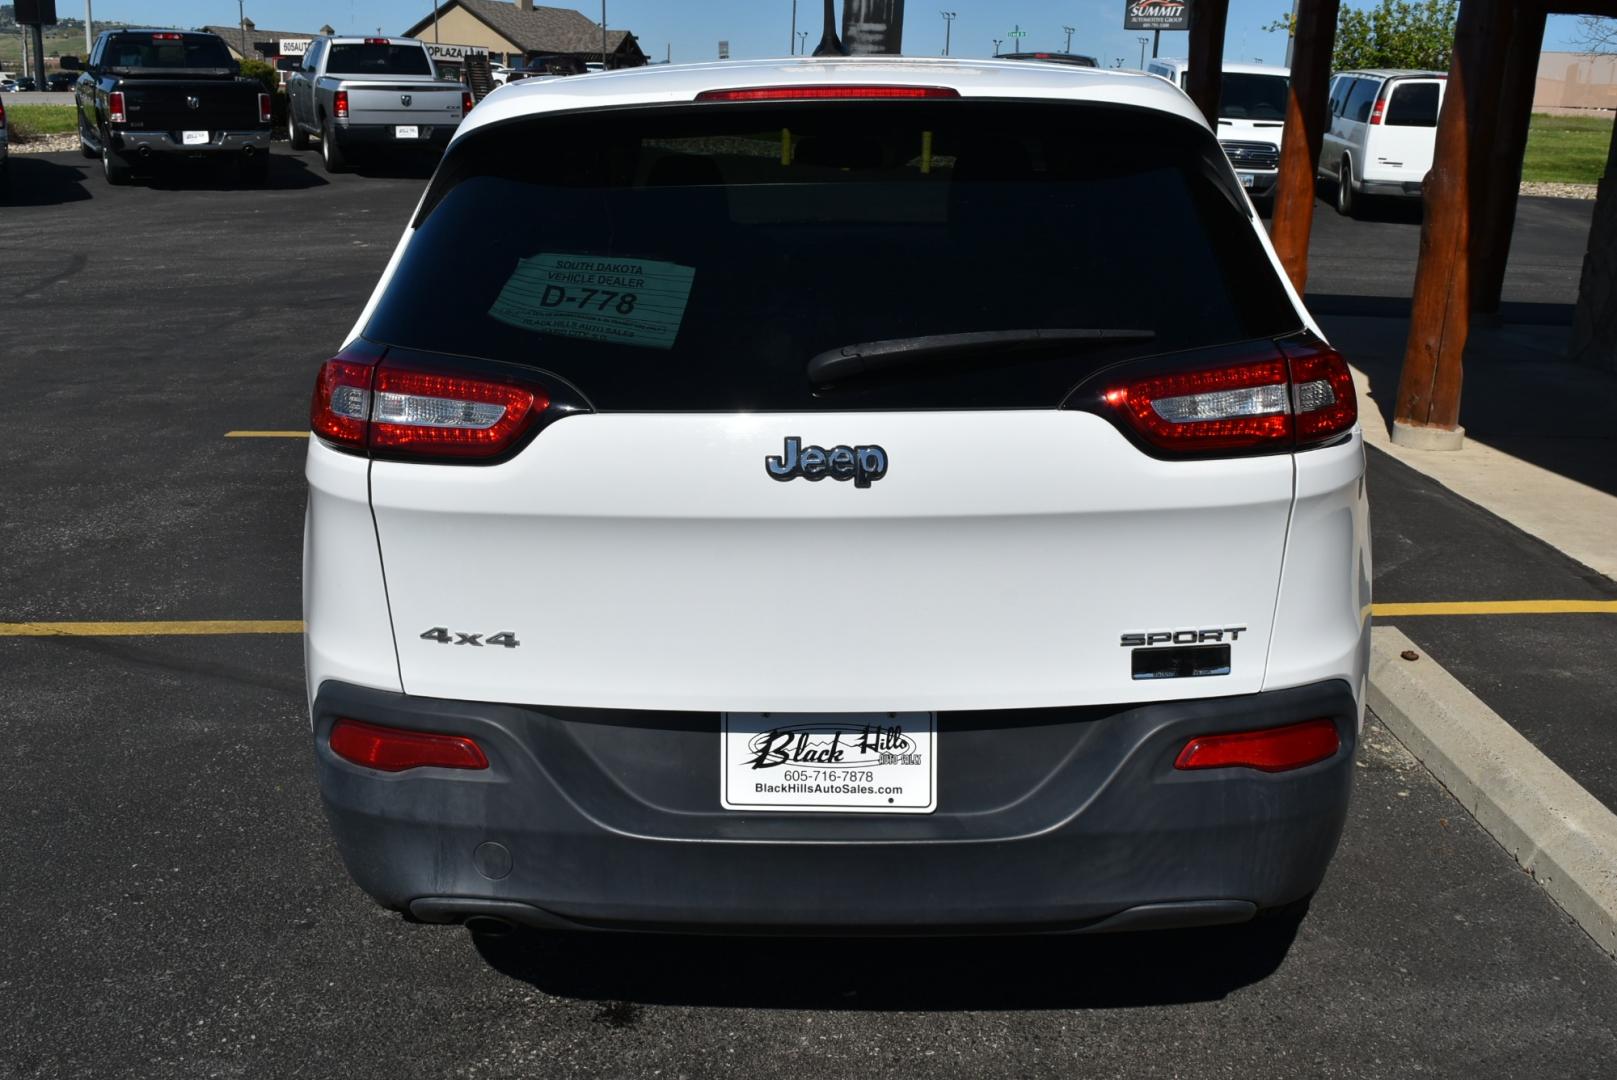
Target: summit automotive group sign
pixel 1156 15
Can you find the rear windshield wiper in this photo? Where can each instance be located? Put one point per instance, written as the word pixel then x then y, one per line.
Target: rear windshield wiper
pixel 848 362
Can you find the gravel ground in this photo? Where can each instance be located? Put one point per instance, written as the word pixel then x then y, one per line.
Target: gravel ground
pixel 1558 191
pixel 46 144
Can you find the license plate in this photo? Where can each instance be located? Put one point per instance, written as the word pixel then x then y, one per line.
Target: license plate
pixel 1247 179
pixel 194 138
pixel 403 132
pixel 829 763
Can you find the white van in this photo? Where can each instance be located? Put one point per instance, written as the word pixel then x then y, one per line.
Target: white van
pixel 1383 128
pixel 1251 116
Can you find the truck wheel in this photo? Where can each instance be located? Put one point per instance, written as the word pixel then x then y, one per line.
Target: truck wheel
pixel 1345 203
pixel 117 172
pixel 331 155
pixel 294 134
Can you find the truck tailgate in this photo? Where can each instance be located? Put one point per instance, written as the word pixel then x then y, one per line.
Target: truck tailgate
pixel 422 103
pixel 191 104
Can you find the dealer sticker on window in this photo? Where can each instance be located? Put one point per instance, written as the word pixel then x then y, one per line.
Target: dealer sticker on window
pixel 864 763
pixel 625 300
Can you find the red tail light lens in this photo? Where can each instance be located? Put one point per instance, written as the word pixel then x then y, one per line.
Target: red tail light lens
pixel 466 102
pixel 377 41
pixel 823 93
pixel 406 412
pixel 1378 113
pixel 339 104
pixel 264 108
pixel 1300 396
pixel 115 108
pixel 432 415
pixel 391 749
pixel 1269 750
pixel 167 37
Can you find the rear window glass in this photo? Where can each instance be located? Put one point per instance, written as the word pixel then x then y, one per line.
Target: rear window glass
pixel 1361 99
pixel 367 59
pixel 167 51
pixel 1412 105
pixel 1252 97
pixel 698 258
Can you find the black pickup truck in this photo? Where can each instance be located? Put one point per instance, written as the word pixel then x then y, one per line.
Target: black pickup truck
pixel 147 95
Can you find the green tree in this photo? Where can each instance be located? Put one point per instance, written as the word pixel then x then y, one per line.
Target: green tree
pixel 1393 34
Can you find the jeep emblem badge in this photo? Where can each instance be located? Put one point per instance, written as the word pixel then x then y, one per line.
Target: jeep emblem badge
pixel 864 465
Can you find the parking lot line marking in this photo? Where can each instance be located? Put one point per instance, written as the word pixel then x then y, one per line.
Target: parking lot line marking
pixel 144 629
pixel 1500 607
pixel 266 434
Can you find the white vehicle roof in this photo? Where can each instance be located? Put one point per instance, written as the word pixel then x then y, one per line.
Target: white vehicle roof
pixel 668 83
pixel 1394 73
pixel 1256 69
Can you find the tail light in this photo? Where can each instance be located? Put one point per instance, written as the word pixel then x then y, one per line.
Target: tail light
pixel 1299 396
pixel 339 104
pixel 361 405
pixel 390 749
pixel 466 102
pixel 115 108
pixel 1269 750
pixel 2 112
pixel 263 108
pixel 1379 113
pixel 822 93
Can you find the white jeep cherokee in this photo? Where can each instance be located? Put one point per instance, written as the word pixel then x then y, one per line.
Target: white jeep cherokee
pixel 784 496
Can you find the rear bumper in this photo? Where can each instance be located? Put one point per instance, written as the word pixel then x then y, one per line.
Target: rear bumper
pixel 1050 819
pixel 433 135
pixel 146 143
pixel 1263 183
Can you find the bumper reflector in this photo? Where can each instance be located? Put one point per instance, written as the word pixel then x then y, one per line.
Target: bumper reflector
pixel 397 749
pixel 1270 749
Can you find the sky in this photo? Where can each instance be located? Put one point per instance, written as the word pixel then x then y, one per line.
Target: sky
pixel 691 29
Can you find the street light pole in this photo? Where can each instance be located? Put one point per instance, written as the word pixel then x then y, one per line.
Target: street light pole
pixel 241 25
pixel 1144 41
pixel 792 46
pixel 802 42
pixel 1069 31
pixel 88 19
pixel 603 35
pixel 948 25
pixel 997 42
pixel 435 22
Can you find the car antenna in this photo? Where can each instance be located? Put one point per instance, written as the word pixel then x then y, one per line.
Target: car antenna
pixel 830 44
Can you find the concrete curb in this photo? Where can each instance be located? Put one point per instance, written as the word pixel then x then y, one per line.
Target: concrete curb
pixel 1556 830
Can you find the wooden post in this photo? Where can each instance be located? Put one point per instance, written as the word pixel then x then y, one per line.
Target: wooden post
pixel 1594 320
pixel 1312 45
pixel 1427 412
pixel 1206 77
pixel 1504 162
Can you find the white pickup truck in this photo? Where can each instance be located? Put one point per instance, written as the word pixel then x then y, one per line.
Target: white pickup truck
pixel 354 92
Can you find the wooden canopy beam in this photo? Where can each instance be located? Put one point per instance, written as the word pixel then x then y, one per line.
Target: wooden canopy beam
pixel 1503 163
pixel 1205 79
pixel 1312 46
pixel 1427 412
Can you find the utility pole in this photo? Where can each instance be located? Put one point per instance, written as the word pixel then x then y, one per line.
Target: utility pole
pixel 435 22
pixel 241 24
pixel 792 45
pixel 948 25
pixel 1069 32
pixel 1156 42
pixel 88 43
pixel 603 35
pixel 1144 41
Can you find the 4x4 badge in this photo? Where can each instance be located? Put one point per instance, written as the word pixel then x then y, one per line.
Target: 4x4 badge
pixel 864 465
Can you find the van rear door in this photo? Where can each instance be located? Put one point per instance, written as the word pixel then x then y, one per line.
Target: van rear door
pixel 1400 147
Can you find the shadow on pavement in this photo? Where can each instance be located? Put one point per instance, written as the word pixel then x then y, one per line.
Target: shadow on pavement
pixel 286 173
pixel 37 181
pixel 934 974
pixel 1388 209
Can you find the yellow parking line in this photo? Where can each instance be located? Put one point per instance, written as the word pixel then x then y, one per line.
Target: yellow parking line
pixel 144 629
pixel 1500 607
pixel 266 434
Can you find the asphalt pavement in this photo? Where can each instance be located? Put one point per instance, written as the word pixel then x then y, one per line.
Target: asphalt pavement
pixel 179 910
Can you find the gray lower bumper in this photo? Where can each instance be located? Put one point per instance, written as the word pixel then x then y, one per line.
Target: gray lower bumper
pixel 1405 188
pixel 172 143
pixel 377 135
pixel 1052 820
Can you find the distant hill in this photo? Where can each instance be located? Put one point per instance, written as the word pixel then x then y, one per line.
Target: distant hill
pixel 66 38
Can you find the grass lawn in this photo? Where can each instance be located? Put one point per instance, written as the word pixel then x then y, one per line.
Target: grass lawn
pixel 30 120
pixel 1567 149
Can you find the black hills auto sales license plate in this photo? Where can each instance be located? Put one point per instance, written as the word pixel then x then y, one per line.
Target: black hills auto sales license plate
pixel 864 763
